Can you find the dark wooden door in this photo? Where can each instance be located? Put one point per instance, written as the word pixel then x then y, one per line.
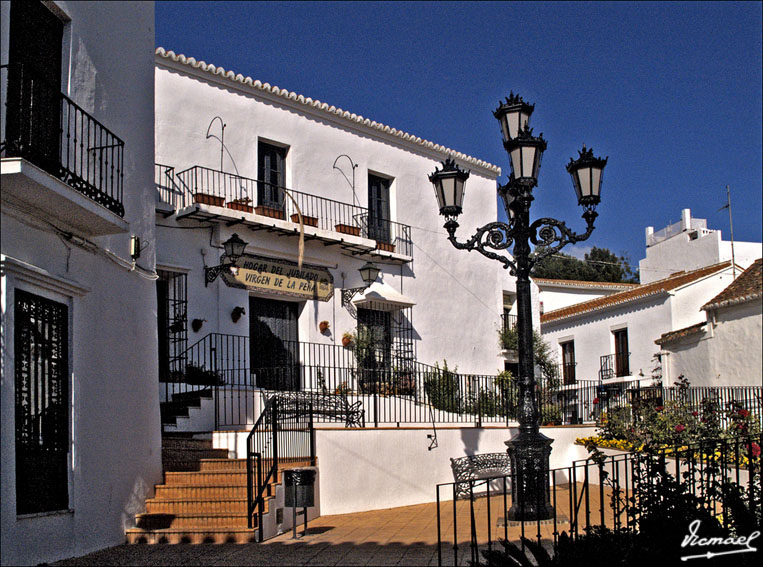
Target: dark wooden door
pixel 568 362
pixel 33 128
pixel 274 343
pixel 378 209
pixel 622 367
pixel 41 347
pixel 271 176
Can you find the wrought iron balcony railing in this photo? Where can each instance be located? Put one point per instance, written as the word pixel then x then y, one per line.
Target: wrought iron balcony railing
pixel 47 128
pixel 566 371
pixel 508 321
pixel 207 186
pixel 614 365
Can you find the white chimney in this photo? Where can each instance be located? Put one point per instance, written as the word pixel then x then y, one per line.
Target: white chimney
pixel 685 219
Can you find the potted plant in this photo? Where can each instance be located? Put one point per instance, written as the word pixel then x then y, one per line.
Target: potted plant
pixel 347 339
pixel 208 199
pixel 323 326
pixel 240 205
pixel 385 246
pixel 348 229
pixel 306 220
pixel 271 212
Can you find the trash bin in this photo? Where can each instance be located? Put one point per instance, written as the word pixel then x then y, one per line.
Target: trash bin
pixel 299 487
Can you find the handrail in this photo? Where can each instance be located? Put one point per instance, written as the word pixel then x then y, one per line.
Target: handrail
pixel 257 501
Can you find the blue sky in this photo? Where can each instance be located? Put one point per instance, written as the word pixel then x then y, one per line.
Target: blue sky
pixel 671 92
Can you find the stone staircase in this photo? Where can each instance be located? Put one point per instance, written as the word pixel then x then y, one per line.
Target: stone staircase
pixel 203 498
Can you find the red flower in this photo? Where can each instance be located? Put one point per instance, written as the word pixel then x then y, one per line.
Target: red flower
pixel 695 413
pixel 659 408
pixel 755 449
pixel 680 428
pixel 744 412
pixel 595 401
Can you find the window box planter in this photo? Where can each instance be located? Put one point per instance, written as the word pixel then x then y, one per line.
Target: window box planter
pixel 240 205
pixel 307 221
pixel 269 212
pixel 207 199
pixel 385 246
pixel 347 229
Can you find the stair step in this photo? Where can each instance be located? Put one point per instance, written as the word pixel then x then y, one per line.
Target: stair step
pixel 192 535
pixel 214 464
pixel 193 397
pixel 206 478
pixel 199 492
pixel 199 520
pixel 188 506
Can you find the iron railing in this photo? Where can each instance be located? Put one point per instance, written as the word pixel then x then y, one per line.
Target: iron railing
pixel 508 321
pixel 281 436
pixel 593 492
pixel 207 186
pixel 47 128
pixel 395 389
pixel 614 365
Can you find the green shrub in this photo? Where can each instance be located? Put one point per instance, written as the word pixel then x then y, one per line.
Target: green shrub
pixel 441 386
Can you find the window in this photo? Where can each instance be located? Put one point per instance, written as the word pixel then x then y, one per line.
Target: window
pixel 271 176
pixel 34 85
pixel 172 320
pixel 378 209
pixel 41 351
pixel 568 362
pixel 274 343
pixel 622 367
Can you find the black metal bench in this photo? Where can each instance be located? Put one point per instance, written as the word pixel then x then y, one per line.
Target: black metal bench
pixel 332 406
pixel 472 468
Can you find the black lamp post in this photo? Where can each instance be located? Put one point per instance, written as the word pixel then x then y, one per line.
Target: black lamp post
pixel 234 249
pixel 368 272
pixel 529 450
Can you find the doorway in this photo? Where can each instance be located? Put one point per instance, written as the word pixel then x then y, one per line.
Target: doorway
pixel 274 343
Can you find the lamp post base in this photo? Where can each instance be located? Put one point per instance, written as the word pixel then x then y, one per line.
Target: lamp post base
pixel 529 453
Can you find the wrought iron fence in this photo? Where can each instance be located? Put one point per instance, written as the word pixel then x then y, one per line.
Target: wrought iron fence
pixel 389 235
pixel 50 130
pixel 472 515
pixel 508 321
pixel 397 390
pixel 614 365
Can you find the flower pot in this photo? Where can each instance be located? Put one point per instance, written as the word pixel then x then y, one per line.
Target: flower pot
pixel 346 341
pixel 269 212
pixel 385 246
pixel 239 206
pixel 307 221
pixel 347 229
pixel 323 325
pixel 207 199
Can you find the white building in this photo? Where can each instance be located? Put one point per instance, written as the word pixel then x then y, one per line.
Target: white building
pixel 612 338
pixel 688 245
pixel 554 294
pixel 80 411
pixel 725 349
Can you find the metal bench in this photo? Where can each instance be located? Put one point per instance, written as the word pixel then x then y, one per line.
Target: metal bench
pixel 472 468
pixel 333 406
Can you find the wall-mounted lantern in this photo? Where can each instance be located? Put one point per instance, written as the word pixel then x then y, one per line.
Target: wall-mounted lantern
pixel 234 249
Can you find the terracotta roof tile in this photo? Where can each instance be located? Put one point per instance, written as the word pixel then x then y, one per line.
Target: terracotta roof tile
pixel 747 286
pixel 583 283
pixel 661 286
pixel 680 333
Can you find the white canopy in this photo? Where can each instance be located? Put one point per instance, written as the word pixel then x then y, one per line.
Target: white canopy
pixel 382 297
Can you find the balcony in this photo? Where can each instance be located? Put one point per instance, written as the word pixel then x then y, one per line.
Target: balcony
pixel 566 371
pixel 508 321
pixel 70 159
pixel 203 194
pixel 614 365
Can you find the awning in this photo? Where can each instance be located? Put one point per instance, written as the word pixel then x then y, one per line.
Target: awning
pixel 382 297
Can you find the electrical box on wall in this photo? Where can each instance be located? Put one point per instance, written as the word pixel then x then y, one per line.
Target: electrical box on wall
pixel 134 247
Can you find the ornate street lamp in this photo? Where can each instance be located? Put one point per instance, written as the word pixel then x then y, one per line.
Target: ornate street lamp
pixel 529 450
pixel 234 249
pixel 368 273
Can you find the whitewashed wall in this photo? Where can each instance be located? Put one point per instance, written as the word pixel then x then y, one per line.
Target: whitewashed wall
pixel 553 298
pixel 724 353
pixel 375 469
pixel 458 295
pixel 645 320
pixel 680 252
pixel 115 430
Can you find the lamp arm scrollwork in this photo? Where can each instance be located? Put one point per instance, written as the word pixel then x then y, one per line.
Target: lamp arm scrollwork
pixel 551 235
pixel 495 235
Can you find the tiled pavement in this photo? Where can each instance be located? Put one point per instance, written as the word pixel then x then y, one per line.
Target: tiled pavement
pixel 395 536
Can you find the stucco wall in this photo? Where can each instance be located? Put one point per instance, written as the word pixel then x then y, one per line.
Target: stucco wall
pixel 645 319
pixel 115 430
pixel 556 298
pixel 727 353
pixel 376 469
pixel 458 295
